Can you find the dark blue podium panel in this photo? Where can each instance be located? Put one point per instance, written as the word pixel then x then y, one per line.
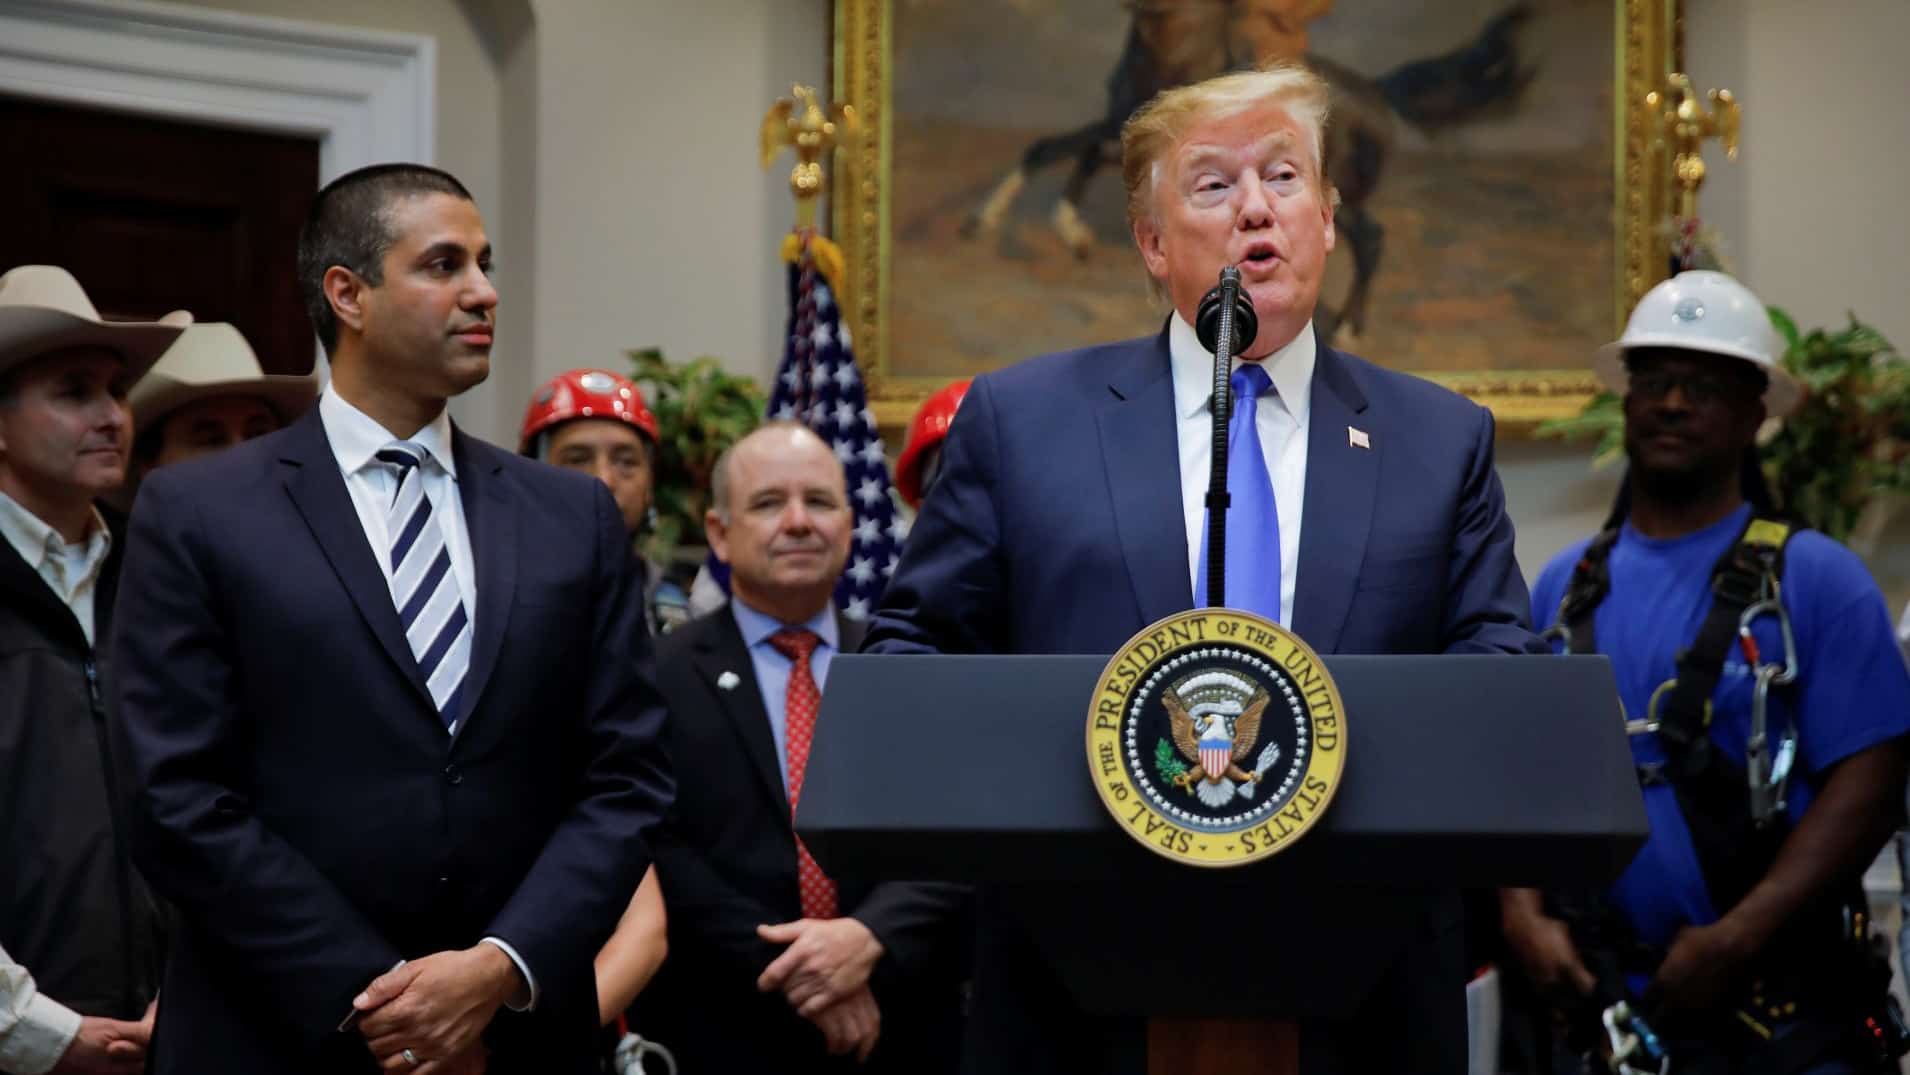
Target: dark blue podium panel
pixel 1461 770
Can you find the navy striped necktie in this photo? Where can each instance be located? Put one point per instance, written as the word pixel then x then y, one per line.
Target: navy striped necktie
pixel 423 586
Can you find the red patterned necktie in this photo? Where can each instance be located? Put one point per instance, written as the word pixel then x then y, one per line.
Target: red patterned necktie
pixel 800 703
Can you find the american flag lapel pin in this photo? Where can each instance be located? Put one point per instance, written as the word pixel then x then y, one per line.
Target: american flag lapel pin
pixel 1357 438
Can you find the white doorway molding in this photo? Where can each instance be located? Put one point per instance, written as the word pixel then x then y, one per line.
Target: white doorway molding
pixel 366 95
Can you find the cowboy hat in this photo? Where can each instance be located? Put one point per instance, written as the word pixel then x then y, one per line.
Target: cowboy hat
pixel 213 359
pixel 43 309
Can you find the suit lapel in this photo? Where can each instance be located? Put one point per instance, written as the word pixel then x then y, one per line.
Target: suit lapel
pixel 318 492
pixel 1142 455
pixel 1341 482
pixel 719 653
pixel 492 525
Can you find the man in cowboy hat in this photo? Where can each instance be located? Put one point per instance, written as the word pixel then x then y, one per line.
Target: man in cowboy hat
pixel 208 393
pixel 1769 711
pixel 73 911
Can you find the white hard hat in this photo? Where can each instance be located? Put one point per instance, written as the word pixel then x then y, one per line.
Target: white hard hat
pixel 1710 312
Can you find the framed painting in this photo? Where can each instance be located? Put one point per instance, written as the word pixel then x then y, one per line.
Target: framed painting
pixel 1503 192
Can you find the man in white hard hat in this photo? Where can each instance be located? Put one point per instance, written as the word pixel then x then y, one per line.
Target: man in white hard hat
pixel 208 393
pixel 1768 707
pixel 79 932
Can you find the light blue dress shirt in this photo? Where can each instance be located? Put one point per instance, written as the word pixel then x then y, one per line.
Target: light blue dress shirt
pixel 772 668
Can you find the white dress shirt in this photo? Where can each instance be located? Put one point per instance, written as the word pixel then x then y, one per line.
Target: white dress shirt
pixel 356 438
pixel 35 1029
pixel 1280 418
pixel 70 569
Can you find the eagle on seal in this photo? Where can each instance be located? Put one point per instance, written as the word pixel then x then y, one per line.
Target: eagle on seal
pixel 1218 743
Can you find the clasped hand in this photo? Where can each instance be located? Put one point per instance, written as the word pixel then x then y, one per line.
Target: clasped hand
pixel 824 975
pixel 437 1007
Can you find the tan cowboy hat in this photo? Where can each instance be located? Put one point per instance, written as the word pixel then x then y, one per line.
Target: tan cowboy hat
pixel 213 359
pixel 43 309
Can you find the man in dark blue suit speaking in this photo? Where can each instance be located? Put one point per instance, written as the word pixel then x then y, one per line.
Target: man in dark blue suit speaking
pixel 385 692
pixel 1366 517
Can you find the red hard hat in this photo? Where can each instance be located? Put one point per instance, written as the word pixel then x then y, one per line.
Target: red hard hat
pixel 585 394
pixel 926 431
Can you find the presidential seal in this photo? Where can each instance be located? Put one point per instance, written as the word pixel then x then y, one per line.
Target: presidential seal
pixel 1216 737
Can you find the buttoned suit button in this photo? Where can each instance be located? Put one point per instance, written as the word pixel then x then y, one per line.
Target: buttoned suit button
pixel 453 775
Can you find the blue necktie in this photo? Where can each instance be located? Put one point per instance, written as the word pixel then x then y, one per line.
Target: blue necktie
pixel 1253 521
pixel 424 587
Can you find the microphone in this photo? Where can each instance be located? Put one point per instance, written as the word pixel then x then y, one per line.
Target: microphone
pixel 1246 324
pixel 1225 323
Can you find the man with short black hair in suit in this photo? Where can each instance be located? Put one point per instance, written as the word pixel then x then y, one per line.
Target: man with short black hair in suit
pixel 386 695
pixel 775 966
pixel 1365 517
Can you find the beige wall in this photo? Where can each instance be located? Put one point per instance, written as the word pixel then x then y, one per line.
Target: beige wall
pixel 654 221
pixel 1812 212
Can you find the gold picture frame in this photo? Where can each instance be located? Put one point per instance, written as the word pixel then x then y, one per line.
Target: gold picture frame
pixel 1647 46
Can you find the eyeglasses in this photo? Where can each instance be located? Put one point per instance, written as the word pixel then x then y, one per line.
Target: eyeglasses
pixel 1698 389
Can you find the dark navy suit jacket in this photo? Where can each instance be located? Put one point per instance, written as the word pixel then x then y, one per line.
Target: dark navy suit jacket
pixel 726 857
pixel 297 797
pixel 1056 527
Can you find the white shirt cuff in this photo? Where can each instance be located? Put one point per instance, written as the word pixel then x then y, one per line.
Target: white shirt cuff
pixel 40 1038
pixel 524 969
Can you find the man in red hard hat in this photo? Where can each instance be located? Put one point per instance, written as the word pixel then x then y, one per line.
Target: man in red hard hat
pixel 921 457
pixel 597 422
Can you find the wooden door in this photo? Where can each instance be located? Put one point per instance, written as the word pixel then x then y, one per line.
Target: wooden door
pixel 154 215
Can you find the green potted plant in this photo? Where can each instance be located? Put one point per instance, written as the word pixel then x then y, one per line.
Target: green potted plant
pixel 1845 448
pixel 1849 444
pixel 701 409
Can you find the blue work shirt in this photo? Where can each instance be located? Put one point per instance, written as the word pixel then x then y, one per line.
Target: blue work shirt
pixel 1853 690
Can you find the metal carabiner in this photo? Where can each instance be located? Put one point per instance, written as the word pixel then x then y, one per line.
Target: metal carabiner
pixel 631 1051
pixel 1767 774
pixel 1651 723
pixel 1769 606
pixel 1632 1040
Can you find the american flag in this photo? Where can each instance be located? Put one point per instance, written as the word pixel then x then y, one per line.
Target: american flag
pixel 817 384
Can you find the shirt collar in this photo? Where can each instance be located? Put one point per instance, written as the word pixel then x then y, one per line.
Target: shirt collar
pixel 757 626
pixel 356 436
pixel 37 542
pixel 1290 369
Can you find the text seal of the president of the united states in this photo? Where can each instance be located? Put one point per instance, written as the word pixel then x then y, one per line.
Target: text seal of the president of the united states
pixel 1216 737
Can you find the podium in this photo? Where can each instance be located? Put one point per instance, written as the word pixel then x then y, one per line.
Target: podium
pixel 1461 772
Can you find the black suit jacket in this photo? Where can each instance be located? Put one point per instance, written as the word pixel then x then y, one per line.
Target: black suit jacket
pixel 726 858
pixel 295 793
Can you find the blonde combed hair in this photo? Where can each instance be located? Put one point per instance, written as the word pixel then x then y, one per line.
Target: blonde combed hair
pixel 1153 131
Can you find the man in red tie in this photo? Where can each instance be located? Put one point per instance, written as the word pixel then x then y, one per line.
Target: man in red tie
pixel 773 964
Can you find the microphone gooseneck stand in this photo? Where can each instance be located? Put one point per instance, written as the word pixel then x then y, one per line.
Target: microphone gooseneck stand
pixel 1225 324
